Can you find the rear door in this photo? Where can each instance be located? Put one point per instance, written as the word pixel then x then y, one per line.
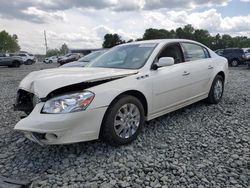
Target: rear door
pixel 200 67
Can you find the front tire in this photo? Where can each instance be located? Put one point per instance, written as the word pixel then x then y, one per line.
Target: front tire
pixel 216 90
pixel 123 120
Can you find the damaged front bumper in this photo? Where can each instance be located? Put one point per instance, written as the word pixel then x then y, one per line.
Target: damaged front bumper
pixel 61 128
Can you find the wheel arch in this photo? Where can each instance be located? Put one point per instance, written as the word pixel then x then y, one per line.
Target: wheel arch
pixel 221 73
pixel 135 93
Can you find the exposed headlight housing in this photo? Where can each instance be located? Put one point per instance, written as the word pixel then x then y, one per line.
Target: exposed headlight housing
pixel 68 103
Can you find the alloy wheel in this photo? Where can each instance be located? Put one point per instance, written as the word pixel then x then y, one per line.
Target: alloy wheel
pixel 127 120
pixel 218 89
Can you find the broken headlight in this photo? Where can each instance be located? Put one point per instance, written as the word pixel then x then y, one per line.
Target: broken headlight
pixel 68 103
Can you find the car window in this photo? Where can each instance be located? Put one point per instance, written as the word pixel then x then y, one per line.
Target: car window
pixel 22 55
pixel 194 52
pixel 173 51
pixel 132 56
pixel 219 52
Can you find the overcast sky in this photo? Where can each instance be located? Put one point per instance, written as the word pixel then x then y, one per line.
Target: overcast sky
pixel 83 23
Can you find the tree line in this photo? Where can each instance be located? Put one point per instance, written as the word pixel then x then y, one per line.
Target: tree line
pixel 9 43
pixel 187 32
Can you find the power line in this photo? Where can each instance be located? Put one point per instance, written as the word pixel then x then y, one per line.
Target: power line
pixel 46 45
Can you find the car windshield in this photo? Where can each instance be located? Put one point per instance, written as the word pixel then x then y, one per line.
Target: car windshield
pixel 91 56
pixel 132 56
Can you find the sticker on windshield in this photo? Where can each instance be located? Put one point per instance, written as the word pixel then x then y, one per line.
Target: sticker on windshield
pixel 147 45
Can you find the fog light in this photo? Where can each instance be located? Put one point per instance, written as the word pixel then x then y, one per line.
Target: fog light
pixel 51 136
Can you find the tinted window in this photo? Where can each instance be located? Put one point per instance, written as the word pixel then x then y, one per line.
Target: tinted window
pixel 194 52
pixel 173 51
pixel 22 55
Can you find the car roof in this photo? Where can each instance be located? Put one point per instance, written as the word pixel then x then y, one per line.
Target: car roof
pixel 162 41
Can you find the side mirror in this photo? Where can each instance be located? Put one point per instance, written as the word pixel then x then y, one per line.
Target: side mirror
pixel 163 62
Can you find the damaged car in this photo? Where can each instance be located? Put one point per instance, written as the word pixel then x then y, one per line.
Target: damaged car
pixel 113 96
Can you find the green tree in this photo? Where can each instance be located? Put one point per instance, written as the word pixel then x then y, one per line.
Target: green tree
pixel 157 34
pixel 53 52
pixel 64 49
pixel 111 40
pixel 8 43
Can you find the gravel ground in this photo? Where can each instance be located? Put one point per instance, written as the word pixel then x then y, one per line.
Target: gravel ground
pixel 199 146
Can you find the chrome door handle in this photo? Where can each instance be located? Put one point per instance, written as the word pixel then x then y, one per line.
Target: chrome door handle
pixel 210 67
pixel 185 73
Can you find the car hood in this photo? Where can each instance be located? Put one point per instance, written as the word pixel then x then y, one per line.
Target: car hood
pixel 41 83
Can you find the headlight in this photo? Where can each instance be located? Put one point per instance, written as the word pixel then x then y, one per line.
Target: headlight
pixel 68 103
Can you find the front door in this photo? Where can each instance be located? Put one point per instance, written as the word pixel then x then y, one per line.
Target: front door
pixel 171 84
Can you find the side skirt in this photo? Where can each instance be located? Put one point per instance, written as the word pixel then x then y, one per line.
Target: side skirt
pixel 177 106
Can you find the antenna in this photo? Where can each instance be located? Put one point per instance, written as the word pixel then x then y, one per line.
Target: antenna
pixel 46 45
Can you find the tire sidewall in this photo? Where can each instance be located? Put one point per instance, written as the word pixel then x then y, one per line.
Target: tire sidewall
pixel 110 118
pixel 211 94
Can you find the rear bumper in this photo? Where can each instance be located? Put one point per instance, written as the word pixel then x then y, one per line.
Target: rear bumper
pixel 61 128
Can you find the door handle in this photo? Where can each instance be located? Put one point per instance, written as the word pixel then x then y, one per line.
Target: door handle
pixel 185 73
pixel 210 67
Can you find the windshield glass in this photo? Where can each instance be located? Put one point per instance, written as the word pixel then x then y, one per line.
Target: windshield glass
pixel 132 56
pixel 91 56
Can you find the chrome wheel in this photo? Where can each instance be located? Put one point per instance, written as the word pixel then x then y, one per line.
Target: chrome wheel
pixel 127 120
pixel 218 89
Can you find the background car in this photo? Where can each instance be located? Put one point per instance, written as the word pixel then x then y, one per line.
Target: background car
pixel 27 58
pixel 10 61
pixel 85 60
pixel 52 59
pixel 235 56
pixel 68 58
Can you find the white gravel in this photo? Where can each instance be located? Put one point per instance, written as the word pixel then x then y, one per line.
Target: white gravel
pixel 199 146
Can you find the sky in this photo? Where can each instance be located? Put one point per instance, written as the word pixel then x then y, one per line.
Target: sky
pixel 83 23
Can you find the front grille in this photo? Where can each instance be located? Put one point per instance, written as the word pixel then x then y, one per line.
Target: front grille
pixel 25 101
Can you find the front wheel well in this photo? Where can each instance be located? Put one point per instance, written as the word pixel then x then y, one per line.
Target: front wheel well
pixel 221 73
pixel 135 93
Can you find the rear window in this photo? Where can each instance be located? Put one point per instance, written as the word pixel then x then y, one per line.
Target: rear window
pixel 194 52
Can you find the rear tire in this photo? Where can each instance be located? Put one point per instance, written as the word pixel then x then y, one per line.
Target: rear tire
pixel 216 90
pixel 29 62
pixel 50 61
pixel 234 63
pixel 123 121
pixel 15 64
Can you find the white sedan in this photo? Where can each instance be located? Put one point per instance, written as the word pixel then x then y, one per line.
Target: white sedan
pixel 52 59
pixel 114 95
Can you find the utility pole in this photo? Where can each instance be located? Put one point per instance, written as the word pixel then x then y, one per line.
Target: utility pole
pixel 46 45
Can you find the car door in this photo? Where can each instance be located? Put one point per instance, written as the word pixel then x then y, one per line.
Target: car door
pixel 171 84
pixel 200 67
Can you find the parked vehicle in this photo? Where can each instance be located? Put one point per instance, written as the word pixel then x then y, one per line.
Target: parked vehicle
pixel 68 58
pixel 52 59
pixel 10 61
pixel 235 56
pixel 113 96
pixel 27 58
pixel 82 62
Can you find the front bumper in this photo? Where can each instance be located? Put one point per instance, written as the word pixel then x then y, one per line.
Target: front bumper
pixel 62 128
